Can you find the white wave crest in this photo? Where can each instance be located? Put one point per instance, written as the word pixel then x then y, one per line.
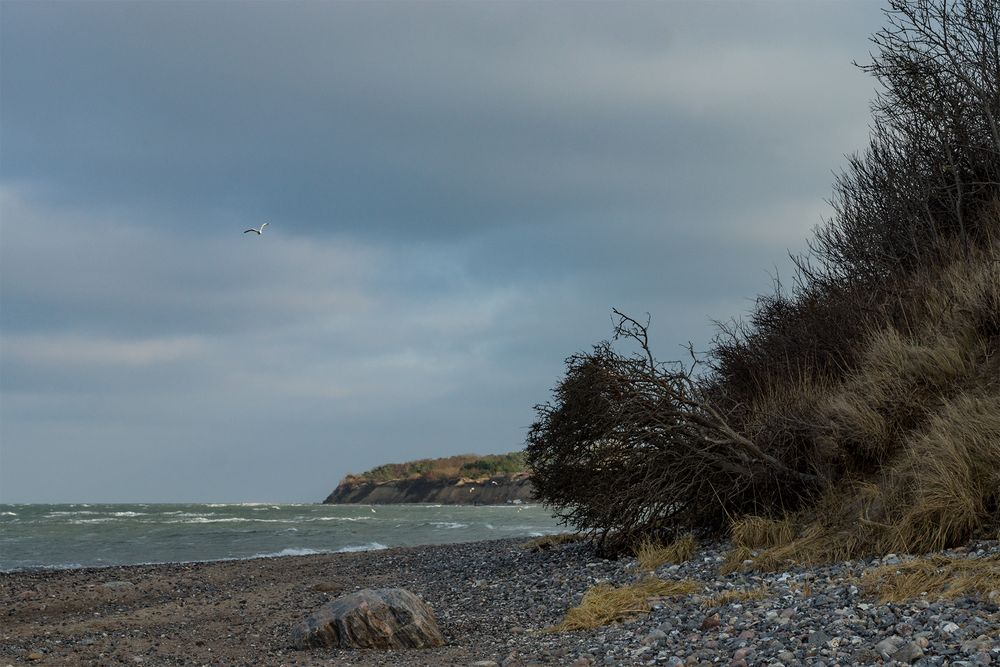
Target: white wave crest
pixel 371 546
pixel 289 551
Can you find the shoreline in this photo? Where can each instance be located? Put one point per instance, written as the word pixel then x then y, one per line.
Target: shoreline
pixel 492 599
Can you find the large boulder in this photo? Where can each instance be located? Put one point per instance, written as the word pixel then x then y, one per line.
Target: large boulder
pixel 388 618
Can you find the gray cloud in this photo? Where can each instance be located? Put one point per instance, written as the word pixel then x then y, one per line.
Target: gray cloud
pixel 458 195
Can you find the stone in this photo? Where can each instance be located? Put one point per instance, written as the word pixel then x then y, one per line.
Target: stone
pixel 654 636
pixel 388 618
pixel 908 653
pixel 887 647
pixel 118 586
pixel 327 587
pixel 949 628
pixel 711 622
pixel 818 638
pixel 980 643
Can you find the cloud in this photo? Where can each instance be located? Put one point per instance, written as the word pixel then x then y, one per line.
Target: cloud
pixel 458 195
pixel 77 351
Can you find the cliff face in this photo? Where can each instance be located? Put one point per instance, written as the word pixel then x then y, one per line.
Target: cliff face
pixel 497 490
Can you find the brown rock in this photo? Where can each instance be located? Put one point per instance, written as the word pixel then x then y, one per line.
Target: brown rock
pixel 711 622
pixel 388 618
pixel 327 587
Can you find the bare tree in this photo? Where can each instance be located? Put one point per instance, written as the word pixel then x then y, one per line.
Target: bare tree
pixel 632 446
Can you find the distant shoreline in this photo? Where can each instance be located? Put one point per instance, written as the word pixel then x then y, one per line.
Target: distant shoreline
pixel 504 489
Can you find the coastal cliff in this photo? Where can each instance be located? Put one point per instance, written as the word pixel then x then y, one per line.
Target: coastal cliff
pixel 493 490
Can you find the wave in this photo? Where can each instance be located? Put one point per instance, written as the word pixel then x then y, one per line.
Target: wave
pixel 8 513
pixel 306 551
pixel 290 551
pixel 226 519
pixel 371 546
pixel 451 525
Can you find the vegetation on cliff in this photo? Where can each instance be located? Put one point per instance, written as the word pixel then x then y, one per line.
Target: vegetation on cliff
pixel 857 410
pixel 451 467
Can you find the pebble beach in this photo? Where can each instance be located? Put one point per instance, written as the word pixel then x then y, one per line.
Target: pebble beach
pixel 494 601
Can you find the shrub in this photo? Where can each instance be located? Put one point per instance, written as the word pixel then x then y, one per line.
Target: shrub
pixel 860 405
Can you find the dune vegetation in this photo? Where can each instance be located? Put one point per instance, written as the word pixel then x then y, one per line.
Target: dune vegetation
pixel 855 411
pixel 464 465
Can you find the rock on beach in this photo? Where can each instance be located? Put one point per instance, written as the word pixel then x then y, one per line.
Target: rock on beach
pixel 391 618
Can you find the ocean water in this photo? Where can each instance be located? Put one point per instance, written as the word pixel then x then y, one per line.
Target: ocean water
pixel 93 535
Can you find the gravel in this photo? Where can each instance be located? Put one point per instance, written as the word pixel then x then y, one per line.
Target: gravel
pixel 492 600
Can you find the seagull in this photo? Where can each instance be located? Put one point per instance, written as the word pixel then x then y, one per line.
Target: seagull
pixel 257 231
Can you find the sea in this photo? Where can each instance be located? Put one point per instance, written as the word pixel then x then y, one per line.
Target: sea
pixel 96 535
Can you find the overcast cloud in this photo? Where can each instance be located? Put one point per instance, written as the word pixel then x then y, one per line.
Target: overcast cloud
pixel 458 194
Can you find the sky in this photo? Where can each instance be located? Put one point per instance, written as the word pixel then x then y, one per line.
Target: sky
pixel 458 194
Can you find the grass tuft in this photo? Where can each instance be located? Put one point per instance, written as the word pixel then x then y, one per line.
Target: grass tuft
pixel 937 577
pixel 756 532
pixel 605 604
pixel 652 555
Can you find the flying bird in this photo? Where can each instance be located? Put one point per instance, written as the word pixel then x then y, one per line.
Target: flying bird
pixel 257 231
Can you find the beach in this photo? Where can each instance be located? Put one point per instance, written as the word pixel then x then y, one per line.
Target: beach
pixel 493 600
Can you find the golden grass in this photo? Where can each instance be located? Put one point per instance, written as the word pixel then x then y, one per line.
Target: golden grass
pixel 937 578
pixel 604 603
pixel 735 559
pixel 728 597
pixel 652 555
pixel 546 542
pixel 911 435
pixel 756 532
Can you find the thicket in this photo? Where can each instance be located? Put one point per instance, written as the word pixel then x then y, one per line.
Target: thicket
pixel 860 405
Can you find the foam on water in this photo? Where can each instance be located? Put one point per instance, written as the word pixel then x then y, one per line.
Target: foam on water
pixel 101 535
pixel 371 546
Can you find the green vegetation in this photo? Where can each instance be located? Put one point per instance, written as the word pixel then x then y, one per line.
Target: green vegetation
pixel 857 411
pixel 465 465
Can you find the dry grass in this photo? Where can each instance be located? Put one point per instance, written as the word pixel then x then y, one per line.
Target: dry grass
pixel 546 542
pixel 605 604
pixel 910 438
pixel 652 555
pixel 756 532
pixel 936 578
pixel 728 597
pixel 735 560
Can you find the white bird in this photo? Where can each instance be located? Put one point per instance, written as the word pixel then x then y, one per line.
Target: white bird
pixel 257 231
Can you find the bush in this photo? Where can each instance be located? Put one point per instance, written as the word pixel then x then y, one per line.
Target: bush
pixel 858 406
